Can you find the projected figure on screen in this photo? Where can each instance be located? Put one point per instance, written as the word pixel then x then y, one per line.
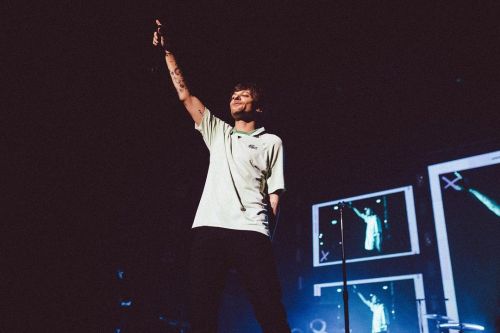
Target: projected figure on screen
pixel 491 204
pixel 373 233
pixel 380 318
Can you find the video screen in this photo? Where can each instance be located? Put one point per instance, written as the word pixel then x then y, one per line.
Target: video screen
pixel 388 304
pixel 376 226
pixel 465 198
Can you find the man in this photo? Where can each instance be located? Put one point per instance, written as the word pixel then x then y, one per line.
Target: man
pixel 241 194
pixel 380 319
pixel 373 231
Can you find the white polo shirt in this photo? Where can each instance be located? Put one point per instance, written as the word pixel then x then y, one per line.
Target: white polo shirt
pixel 244 168
pixel 373 230
pixel 379 320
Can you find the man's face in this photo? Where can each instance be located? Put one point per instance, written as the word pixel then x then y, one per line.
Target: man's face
pixel 242 105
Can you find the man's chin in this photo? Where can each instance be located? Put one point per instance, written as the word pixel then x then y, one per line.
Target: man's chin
pixel 241 115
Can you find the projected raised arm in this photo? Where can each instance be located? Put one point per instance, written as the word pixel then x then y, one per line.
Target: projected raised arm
pixel 487 201
pixel 361 215
pixel 490 203
pixel 193 105
pixel 362 298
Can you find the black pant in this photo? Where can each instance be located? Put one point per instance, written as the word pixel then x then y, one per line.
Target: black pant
pixel 214 251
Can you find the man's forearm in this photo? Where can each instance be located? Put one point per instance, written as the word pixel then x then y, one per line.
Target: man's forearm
pixel 192 104
pixel 176 76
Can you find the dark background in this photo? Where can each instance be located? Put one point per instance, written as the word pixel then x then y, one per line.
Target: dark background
pixel 104 168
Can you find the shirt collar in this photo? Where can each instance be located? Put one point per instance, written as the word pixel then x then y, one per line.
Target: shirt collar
pixel 254 133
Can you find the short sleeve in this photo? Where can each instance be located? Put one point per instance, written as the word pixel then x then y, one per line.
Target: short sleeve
pixel 276 180
pixel 210 127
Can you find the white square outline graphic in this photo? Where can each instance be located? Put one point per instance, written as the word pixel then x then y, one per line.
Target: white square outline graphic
pixel 435 170
pixel 418 284
pixel 411 219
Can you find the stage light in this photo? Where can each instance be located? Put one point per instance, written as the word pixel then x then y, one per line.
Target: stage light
pixel 462 326
pixel 335 207
pixel 385 287
pixel 334 222
pixel 321 243
pixel 126 303
pixel 120 274
pixel 318 325
pixel 378 201
pixel 474 327
pixel 320 236
pixel 339 290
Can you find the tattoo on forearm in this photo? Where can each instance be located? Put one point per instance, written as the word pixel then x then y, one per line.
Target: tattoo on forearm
pixel 178 79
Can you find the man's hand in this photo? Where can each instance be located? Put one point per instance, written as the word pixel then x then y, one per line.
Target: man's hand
pixel 274 199
pixel 159 37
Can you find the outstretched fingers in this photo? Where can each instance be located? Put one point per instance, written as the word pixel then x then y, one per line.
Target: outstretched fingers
pixel 159 34
pixel 159 27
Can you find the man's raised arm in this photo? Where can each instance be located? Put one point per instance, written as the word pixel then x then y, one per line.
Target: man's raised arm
pixel 363 299
pixel 193 105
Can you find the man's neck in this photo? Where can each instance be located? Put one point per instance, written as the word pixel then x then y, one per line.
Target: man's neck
pixel 243 126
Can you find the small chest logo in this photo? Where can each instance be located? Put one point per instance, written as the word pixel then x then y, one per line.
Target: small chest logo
pixel 252 146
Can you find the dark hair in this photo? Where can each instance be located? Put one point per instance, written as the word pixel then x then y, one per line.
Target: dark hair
pixel 255 91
